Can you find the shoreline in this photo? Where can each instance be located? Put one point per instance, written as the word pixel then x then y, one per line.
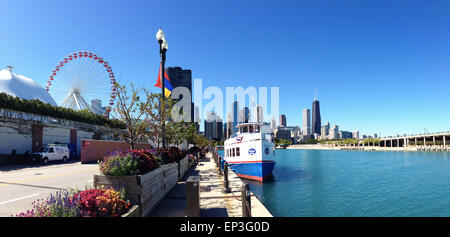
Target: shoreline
pixel 360 148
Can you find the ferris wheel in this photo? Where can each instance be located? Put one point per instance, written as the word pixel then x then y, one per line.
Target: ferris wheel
pixel 83 80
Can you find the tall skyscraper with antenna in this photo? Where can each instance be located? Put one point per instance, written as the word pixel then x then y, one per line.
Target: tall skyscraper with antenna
pixel 316 122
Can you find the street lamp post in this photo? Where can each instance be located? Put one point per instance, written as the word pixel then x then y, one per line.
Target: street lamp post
pixel 163 46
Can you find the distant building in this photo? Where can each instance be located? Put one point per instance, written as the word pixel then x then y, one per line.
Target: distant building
pixel 345 134
pixel 306 122
pixel 228 132
pixel 181 77
pixel 303 138
pixel 257 114
pixel 356 135
pixel 273 125
pixel 325 131
pixel 225 125
pixel 288 133
pixel 244 115
pixel 235 116
pixel 316 123
pixel 334 132
pixel 375 135
pixel 197 114
pixel 213 127
pixel 96 106
pixel 282 120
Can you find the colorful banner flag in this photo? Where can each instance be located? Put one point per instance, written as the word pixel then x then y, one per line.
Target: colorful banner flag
pixel 168 86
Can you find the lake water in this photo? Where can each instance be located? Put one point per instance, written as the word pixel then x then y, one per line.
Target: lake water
pixel 316 183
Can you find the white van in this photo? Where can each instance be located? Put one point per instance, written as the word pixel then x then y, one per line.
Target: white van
pixel 52 152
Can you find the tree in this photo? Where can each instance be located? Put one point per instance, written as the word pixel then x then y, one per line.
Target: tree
pixel 158 110
pixel 178 130
pixel 311 141
pixel 132 111
pixel 283 142
pixel 201 140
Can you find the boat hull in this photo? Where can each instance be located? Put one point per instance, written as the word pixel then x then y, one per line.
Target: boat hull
pixel 254 170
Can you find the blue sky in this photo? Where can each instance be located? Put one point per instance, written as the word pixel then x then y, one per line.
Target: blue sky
pixel 379 66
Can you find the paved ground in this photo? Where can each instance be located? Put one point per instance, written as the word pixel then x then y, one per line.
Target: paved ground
pixel 20 185
pixel 213 203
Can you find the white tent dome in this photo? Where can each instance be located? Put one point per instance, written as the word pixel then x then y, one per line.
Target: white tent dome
pixel 23 87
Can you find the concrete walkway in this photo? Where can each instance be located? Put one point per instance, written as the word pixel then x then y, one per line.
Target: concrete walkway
pixel 213 203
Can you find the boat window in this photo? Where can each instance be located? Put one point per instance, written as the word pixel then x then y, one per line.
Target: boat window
pixel 251 129
pixel 245 129
pixel 234 152
pixel 257 128
pixel 238 153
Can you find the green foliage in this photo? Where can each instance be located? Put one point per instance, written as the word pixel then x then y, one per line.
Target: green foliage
pixel 371 141
pixel 120 165
pixel 38 107
pixel 311 141
pixel 157 111
pixel 217 143
pixel 200 140
pixel 282 142
pixel 139 162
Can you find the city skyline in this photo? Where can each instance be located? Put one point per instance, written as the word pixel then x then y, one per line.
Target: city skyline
pixel 379 60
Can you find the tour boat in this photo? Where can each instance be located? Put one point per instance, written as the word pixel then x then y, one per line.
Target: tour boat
pixel 250 152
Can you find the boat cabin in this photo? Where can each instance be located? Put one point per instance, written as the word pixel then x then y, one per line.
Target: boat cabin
pixel 249 128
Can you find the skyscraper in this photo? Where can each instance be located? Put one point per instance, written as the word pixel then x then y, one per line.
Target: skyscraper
pixel 325 131
pixel 235 116
pixel 213 126
pixel 181 77
pixel 244 115
pixel 229 126
pixel 273 125
pixel 257 114
pixel 316 123
pixel 334 132
pixel 356 135
pixel 306 121
pixel 96 106
pixel 282 120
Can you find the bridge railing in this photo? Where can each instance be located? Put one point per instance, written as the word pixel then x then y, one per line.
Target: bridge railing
pixel 415 135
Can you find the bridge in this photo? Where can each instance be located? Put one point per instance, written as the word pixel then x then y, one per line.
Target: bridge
pixel 440 139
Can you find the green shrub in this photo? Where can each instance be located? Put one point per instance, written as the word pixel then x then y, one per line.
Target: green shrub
pixel 120 164
pixel 38 107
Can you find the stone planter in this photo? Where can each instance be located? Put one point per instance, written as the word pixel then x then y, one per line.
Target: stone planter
pixel 133 212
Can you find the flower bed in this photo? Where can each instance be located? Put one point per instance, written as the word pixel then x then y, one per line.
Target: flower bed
pixel 145 175
pixel 88 203
pixel 132 162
